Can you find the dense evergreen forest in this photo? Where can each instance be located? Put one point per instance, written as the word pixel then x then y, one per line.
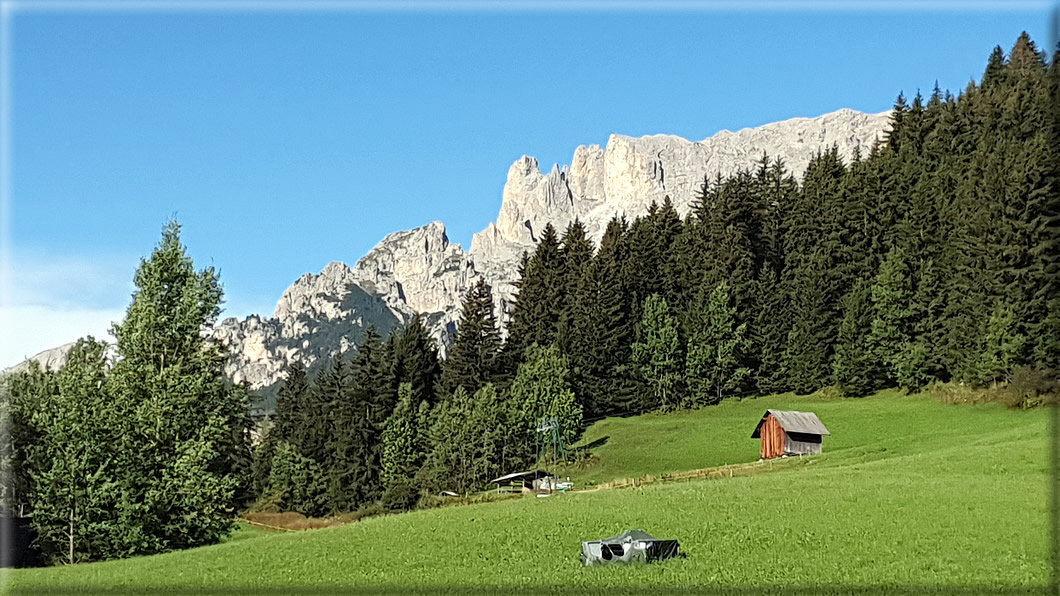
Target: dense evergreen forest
pixel 933 258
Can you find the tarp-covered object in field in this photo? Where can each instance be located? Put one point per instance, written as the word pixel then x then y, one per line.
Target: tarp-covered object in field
pixel 632 546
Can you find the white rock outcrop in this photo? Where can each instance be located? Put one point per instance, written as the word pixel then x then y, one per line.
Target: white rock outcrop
pixel 419 271
pixel 318 316
pixel 630 173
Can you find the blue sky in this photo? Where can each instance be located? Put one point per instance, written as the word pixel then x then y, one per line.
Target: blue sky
pixel 286 140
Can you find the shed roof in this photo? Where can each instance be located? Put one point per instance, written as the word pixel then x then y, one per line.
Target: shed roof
pixel 531 475
pixel 792 421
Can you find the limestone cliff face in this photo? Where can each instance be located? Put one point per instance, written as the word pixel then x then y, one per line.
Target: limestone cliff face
pixel 420 271
pixel 317 317
pixel 626 176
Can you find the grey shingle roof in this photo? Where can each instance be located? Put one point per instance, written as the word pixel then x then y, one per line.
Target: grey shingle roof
pixel 795 422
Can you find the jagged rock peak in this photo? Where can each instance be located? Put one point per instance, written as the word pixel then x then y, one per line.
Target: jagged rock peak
pixel 418 271
pixel 630 173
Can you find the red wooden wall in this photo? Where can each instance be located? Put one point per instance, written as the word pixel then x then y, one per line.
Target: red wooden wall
pixel 772 438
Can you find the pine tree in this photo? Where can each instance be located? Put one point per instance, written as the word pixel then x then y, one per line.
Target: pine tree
pixel 403 451
pixel 180 423
pixel 717 346
pixel 475 357
pixel 891 335
pixel 854 367
pixel 657 355
pixel 415 361
pixel 73 495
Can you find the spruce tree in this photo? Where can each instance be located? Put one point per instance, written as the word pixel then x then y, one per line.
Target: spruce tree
pixel 731 232
pixel 415 361
pixel 180 423
pixel 1001 347
pixel 577 253
pixel 768 333
pixel 21 393
pixel 854 367
pixel 657 355
pixel 815 274
pixel 335 437
pixel 403 451
pixel 475 357
pixel 297 483
pixel 537 311
pixel 450 462
pixel 807 357
pixel 891 335
pixel 73 492
pixel 289 420
pixel 597 342
pixel 717 348
pixel 497 437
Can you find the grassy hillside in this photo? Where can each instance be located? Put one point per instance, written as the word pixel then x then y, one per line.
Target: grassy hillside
pixel 910 495
pixel 886 424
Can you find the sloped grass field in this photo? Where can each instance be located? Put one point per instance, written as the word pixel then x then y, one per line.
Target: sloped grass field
pixel 910 496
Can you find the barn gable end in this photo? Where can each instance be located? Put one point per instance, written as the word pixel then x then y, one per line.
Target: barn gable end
pixel 787 432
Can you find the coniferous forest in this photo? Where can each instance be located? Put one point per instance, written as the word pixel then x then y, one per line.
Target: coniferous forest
pixel 933 258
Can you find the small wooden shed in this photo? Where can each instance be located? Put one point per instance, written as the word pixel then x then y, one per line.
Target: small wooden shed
pixel 520 481
pixel 787 432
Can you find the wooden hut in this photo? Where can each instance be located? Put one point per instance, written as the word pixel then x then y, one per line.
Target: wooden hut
pixel 520 481
pixel 787 432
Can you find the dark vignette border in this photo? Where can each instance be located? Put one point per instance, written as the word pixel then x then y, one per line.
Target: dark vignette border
pixel 1053 531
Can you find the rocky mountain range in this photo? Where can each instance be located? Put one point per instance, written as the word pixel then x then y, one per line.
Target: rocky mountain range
pixel 420 271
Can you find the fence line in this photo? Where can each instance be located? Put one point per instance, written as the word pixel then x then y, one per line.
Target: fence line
pixel 729 470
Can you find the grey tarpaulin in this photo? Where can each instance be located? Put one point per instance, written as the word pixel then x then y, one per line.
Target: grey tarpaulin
pixel 628 547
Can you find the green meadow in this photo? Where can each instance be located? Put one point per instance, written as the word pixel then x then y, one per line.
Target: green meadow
pixel 910 496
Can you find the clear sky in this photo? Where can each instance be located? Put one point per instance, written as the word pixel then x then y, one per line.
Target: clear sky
pixel 286 139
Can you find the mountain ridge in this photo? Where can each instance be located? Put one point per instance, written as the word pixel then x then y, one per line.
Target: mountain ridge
pixel 419 271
